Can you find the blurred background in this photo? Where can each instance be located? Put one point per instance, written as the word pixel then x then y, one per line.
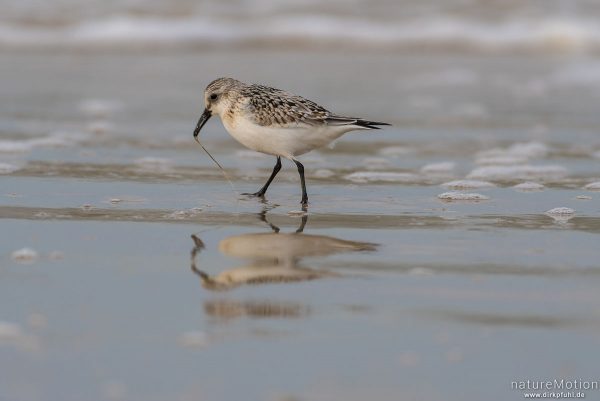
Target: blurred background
pixel 484 25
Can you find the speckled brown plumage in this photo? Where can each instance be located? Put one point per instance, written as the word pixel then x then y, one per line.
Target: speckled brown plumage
pixel 269 106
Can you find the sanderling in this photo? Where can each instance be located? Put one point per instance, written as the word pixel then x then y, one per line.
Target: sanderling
pixel 275 122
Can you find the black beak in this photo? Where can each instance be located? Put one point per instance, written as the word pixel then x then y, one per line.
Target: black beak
pixel 203 119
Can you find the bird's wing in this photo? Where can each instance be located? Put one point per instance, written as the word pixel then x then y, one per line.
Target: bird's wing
pixel 270 106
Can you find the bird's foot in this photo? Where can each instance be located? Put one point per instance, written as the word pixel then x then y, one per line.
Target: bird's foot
pixel 258 194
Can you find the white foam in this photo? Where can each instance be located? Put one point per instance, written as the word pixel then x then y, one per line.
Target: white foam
pixel 461 196
pixel 561 214
pixel 583 197
pixel 183 214
pixel 594 186
pixel 6 168
pixel 467 184
pixel 561 211
pixel 521 172
pixel 381 176
pixel 438 168
pixel 552 33
pixel 529 186
pixel 24 255
pixel 55 139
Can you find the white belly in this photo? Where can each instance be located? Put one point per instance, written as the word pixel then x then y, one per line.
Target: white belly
pixel 285 142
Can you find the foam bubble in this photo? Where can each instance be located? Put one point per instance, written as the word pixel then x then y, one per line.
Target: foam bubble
pixel 594 186
pixel 522 172
pixel 381 176
pixel 184 214
pixel 529 186
pixel 24 255
pixel 561 211
pixel 467 184
pixel 561 214
pixel 460 196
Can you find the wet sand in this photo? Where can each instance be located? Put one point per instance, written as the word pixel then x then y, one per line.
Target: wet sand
pixel 394 288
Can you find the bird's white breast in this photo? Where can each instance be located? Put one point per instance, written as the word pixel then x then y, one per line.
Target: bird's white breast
pixel 287 142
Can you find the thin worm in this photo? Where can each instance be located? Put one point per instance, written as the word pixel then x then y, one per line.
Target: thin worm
pixel 217 163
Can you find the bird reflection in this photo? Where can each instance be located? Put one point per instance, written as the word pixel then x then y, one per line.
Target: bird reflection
pixel 273 257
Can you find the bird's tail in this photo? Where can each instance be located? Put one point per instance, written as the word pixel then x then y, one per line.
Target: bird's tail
pixel 358 122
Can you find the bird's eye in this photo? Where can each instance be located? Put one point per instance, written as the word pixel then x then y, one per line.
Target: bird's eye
pixel 213 96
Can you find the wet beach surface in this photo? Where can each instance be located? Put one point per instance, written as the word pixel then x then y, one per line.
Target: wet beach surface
pixel 423 258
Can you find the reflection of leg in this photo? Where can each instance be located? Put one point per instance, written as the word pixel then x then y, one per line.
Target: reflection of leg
pixel 263 217
pixel 302 224
pixel 263 190
pixel 198 247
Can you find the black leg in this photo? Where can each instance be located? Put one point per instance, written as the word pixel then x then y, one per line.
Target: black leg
pixel 263 190
pixel 304 201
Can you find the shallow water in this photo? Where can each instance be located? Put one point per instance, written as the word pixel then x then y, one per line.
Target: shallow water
pixel 388 293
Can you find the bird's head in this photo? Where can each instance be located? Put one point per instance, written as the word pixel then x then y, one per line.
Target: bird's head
pixel 217 99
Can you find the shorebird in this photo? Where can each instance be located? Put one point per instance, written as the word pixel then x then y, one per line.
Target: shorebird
pixel 275 122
